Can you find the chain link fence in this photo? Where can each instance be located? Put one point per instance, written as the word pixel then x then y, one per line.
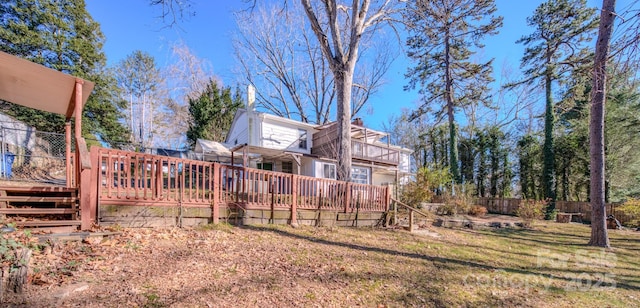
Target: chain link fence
pixel 32 156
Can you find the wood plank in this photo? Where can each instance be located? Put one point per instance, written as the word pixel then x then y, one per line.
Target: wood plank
pixel 36 199
pixel 37 189
pixel 37 211
pixel 47 223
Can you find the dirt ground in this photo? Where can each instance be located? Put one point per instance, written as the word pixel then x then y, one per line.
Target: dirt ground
pixel 281 266
pixel 222 267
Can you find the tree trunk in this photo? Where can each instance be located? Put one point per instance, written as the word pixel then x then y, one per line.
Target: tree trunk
pixel 453 141
pixel 599 236
pixel 343 84
pixel 548 169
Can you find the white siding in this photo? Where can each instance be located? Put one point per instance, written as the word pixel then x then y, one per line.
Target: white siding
pixel 239 131
pixel 308 166
pixel 405 161
pixel 383 179
pixel 282 136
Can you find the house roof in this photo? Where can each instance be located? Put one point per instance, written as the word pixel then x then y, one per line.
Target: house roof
pixel 268 116
pixel 35 86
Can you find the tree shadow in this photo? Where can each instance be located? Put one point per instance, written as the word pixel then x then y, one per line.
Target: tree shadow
pixel 435 259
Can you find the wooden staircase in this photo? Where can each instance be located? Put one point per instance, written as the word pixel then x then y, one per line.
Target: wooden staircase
pixel 51 208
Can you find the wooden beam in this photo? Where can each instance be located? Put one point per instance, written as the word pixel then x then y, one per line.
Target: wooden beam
pixel 67 154
pixel 294 200
pixel 215 202
pixel 78 107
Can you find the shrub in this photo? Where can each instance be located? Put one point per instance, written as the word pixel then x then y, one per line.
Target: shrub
pixel 478 211
pixel 426 182
pixel 530 210
pixel 631 208
pixel 446 209
pixel 454 205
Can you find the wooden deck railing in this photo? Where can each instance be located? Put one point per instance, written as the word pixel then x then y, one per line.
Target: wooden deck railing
pixel 129 178
pixel 374 152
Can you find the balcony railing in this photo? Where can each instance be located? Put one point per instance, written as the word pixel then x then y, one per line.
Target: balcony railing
pixel 376 153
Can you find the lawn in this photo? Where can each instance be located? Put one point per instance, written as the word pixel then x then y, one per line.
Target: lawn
pixel 280 266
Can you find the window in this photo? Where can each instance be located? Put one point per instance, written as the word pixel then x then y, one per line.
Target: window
pixel 329 171
pixel 360 175
pixel 287 167
pixel 302 139
pixel 265 166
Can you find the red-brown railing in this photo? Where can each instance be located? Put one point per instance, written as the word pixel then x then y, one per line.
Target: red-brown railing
pixel 130 178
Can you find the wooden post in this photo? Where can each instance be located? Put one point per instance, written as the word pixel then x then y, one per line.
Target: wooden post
pixel 347 197
pixel 216 193
pixel 159 178
pixel 67 154
pixel 387 199
pixel 294 200
pixel 410 220
pixel 90 190
pixel 272 184
pixel 78 108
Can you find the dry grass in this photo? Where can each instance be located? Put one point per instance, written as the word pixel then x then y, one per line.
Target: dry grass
pixel 279 266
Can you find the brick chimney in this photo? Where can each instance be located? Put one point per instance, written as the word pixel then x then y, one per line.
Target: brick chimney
pixel 357 121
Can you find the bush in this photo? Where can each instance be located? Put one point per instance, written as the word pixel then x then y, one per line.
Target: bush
pixel 454 205
pixel 446 209
pixel 631 208
pixel 478 211
pixel 530 210
pixel 426 182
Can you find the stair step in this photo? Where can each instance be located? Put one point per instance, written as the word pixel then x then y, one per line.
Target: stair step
pixel 36 199
pixel 37 211
pixel 47 223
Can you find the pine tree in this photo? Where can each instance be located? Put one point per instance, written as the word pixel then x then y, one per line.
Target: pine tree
pixel 443 35
pixel 63 36
pixel 552 50
pixel 212 113
pixel 139 81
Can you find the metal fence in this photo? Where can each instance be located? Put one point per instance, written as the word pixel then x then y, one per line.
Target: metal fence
pixel 32 156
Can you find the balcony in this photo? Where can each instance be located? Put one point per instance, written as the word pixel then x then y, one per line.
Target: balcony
pixel 361 151
pixel 325 144
pixel 374 153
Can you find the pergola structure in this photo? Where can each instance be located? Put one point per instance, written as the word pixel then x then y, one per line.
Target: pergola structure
pixel 35 86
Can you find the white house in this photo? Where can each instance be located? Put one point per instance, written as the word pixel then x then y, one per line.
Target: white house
pixel 279 144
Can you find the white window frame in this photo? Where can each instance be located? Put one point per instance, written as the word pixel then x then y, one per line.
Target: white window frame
pixel 331 168
pixel 303 142
pixel 289 164
pixel 357 173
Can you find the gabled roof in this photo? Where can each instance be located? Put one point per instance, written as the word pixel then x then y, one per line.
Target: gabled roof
pixel 268 116
pixel 35 86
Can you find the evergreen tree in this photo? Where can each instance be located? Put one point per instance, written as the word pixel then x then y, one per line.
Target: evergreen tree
pixel 62 35
pixel 212 113
pixel 561 27
pixel 529 154
pixel 442 36
pixel 139 81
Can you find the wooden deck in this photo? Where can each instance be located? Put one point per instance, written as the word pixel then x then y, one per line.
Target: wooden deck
pixel 143 180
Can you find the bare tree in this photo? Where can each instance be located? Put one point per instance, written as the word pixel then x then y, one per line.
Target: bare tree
pixel 284 61
pixel 599 236
pixel 339 29
pixel 187 77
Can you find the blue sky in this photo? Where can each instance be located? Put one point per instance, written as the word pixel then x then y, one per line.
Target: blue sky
pixel 133 25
